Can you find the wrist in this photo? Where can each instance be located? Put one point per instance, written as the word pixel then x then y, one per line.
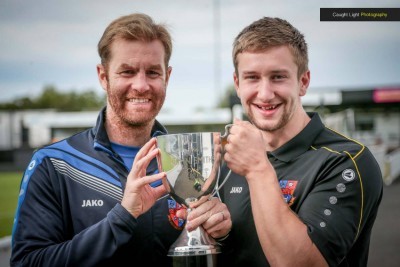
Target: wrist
pixel 220 239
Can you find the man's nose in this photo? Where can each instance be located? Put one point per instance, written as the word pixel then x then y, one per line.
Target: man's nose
pixel 140 82
pixel 266 90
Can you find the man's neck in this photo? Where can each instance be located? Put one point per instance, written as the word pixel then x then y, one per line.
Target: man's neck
pixel 281 136
pixel 125 134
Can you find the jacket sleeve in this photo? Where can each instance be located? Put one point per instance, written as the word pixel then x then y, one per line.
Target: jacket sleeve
pixel 41 236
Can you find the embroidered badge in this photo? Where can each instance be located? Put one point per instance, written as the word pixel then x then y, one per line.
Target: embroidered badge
pixel 348 175
pixel 31 165
pixel 173 207
pixel 288 187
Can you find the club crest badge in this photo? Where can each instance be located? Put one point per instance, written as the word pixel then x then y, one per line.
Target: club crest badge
pixel 288 187
pixel 173 207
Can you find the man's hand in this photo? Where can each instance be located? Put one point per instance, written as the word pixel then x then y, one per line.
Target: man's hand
pixel 245 150
pixel 139 196
pixel 212 215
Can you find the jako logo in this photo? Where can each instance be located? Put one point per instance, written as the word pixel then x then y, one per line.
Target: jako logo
pixel 92 203
pixel 236 190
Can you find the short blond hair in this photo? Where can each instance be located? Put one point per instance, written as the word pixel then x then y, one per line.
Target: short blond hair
pixel 271 32
pixel 135 26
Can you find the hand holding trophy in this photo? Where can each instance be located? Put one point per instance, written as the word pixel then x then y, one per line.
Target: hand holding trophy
pixel 192 162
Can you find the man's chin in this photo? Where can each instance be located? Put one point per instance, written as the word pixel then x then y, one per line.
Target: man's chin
pixel 139 122
pixel 266 125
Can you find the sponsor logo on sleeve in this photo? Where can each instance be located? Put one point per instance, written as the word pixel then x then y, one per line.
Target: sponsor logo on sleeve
pixel 32 165
pixel 348 175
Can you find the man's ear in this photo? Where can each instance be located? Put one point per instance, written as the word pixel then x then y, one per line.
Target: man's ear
pixel 102 76
pixel 236 83
pixel 304 82
pixel 167 75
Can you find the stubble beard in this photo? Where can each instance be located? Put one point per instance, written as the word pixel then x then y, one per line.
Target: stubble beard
pixel 282 122
pixel 139 119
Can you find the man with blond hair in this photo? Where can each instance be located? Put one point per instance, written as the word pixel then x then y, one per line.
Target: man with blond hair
pixel 300 194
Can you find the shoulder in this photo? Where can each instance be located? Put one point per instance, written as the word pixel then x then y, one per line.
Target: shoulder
pixel 342 145
pixel 59 150
pixel 350 153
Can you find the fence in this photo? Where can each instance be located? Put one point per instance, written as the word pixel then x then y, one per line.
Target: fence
pixel 391 169
pixel 5 251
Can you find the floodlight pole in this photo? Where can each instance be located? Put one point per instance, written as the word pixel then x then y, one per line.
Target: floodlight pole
pixel 217 59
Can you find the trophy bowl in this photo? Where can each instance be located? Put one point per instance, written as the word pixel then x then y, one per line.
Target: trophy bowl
pixel 192 163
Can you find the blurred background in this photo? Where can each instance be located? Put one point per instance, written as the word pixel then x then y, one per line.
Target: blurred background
pixel 49 88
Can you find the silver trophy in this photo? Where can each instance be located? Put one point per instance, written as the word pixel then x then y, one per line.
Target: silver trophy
pixel 192 162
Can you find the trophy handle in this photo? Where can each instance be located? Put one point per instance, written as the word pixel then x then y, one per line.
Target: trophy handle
pixel 222 184
pixel 224 138
pixel 225 135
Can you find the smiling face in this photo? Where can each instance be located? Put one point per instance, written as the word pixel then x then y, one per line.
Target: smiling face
pixel 135 80
pixel 268 85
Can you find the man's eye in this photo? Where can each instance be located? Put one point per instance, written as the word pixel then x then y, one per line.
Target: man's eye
pixel 250 77
pixel 153 73
pixel 278 77
pixel 127 72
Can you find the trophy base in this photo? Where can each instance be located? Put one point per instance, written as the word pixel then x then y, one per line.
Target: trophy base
pixel 195 261
pixel 194 243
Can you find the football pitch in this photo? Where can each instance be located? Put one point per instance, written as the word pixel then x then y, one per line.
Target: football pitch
pixel 9 188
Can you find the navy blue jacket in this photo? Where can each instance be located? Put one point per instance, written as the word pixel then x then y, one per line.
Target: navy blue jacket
pixel 69 211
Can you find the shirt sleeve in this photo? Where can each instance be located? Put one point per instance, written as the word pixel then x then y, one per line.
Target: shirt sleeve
pixel 345 195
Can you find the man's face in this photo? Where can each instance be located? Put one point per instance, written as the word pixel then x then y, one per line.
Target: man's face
pixel 135 80
pixel 269 88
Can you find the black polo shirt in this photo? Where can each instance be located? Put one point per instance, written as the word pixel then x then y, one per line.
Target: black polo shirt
pixel 332 182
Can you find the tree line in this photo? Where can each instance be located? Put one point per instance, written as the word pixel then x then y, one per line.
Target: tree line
pixel 52 98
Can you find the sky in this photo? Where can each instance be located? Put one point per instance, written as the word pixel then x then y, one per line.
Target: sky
pixel 55 43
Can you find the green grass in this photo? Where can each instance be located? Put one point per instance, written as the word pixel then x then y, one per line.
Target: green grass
pixel 167 160
pixel 9 189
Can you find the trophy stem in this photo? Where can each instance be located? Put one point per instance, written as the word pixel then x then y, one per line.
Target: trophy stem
pixel 194 243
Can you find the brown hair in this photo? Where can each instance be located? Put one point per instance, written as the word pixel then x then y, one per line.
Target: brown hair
pixel 271 32
pixel 136 26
